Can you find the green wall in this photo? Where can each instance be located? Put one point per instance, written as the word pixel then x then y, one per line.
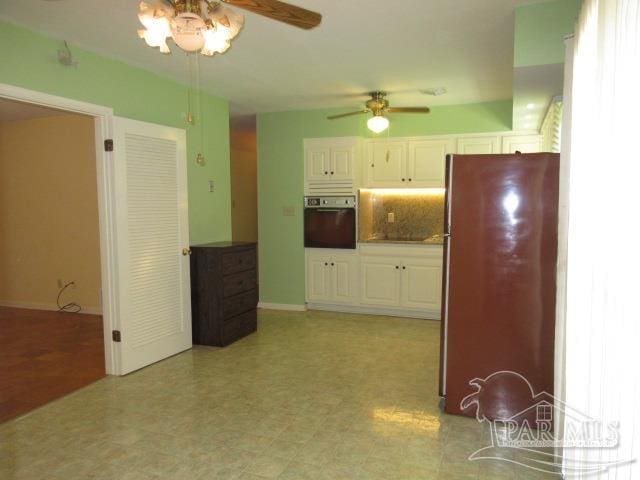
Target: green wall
pixel 281 176
pixel 540 29
pixel 29 60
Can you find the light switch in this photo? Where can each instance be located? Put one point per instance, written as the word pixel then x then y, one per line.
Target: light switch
pixel 391 217
pixel 289 211
pixel 211 185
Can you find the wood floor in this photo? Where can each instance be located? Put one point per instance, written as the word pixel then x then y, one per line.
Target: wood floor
pixel 46 355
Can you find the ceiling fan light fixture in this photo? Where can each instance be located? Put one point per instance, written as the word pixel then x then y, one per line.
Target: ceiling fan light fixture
pixel 378 123
pixel 226 21
pixel 192 23
pixel 156 23
pixel 215 41
pixel 186 30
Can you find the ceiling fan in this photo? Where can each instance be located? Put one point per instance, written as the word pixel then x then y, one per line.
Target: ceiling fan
pixel 208 26
pixel 379 106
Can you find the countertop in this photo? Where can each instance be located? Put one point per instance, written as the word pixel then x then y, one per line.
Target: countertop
pixel 396 241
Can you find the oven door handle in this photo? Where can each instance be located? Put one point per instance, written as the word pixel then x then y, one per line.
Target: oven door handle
pixel 337 210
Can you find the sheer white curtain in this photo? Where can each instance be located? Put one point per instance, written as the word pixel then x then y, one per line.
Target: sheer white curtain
pixel 602 321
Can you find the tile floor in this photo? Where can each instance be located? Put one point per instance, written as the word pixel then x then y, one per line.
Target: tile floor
pixel 310 396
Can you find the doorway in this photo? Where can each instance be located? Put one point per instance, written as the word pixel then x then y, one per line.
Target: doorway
pixel 51 329
pixel 141 173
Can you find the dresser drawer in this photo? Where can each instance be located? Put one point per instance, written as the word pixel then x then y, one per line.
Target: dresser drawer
pixel 243 302
pixel 239 282
pixel 234 262
pixel 239 326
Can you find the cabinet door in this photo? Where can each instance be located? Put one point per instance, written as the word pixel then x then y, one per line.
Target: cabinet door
pixel 380 281
pixel 318 278
pixel 426 162
pixel 318 164
pixel 522 143
pixel 421 283
pixel 344 278
pixel 341 163
pixel 478 145
pixel 386 164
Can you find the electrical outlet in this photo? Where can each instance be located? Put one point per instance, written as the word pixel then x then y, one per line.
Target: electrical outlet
pixel 211 186
pixel 391 217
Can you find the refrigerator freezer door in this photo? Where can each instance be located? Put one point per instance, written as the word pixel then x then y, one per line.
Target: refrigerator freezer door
pixel 501 277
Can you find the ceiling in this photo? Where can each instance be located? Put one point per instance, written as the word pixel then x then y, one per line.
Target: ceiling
pixel 401 46
pixel 12 111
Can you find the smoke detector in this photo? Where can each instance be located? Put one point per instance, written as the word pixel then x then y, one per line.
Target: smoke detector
pixel 435 91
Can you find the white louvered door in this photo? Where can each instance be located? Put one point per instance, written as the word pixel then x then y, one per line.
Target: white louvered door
pixel 150 171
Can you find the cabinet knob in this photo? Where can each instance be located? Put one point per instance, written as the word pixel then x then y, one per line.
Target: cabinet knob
pixel 332 264
pixel 331 173
pixel 409 179
pixel 404 268
pixel 397 267
pixel 326 173
pixel 186 251
pixel 325 264
pixel 403 179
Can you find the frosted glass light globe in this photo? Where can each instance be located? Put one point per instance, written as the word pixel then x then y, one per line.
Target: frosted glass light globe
pixel 186 30
pixel 378 124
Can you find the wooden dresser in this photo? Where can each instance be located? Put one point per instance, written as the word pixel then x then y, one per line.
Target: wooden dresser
pixel 224 292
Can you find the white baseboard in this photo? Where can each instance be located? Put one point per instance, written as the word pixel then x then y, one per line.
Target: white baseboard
pixel 47 306
pixel 369 310
pixel 282 306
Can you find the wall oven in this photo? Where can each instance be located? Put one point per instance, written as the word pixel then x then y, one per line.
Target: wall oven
pixel 330 222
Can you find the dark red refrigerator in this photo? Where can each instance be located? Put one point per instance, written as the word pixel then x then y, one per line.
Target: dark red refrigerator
pixel 498 309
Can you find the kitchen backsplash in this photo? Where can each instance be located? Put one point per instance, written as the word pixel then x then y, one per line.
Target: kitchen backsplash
pixel 417 215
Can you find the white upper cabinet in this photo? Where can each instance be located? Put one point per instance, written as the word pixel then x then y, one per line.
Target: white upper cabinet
pixel 478 145
pixel 407 162
pixel 318 163
pixel 426 162
pixel 386 164
pixel 522 143
pixel 331 165
pixel 342 163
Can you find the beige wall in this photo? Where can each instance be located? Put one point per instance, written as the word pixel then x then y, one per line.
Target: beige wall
pixel 48 211
pixel 244 191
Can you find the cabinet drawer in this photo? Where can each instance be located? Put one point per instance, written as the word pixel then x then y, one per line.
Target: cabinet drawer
pixel 234 262
pixel 239 282
pixel 240 303
pixel 239 326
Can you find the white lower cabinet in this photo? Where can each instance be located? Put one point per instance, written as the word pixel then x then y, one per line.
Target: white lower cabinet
pixel 383 279
pixel 421 283
pixel 318 278
pixel 331 276
pixel 380 281
pixel 401 281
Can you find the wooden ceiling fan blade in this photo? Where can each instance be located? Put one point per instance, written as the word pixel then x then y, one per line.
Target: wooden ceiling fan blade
pixel 342 115
pixel 283 12
pixel 409 110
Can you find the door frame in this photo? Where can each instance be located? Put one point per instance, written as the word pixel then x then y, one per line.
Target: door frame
pixel 103 121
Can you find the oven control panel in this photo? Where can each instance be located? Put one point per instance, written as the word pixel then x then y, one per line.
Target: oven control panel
pixel 330 202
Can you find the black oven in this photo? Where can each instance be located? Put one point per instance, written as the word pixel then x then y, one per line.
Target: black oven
pixel 330 222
